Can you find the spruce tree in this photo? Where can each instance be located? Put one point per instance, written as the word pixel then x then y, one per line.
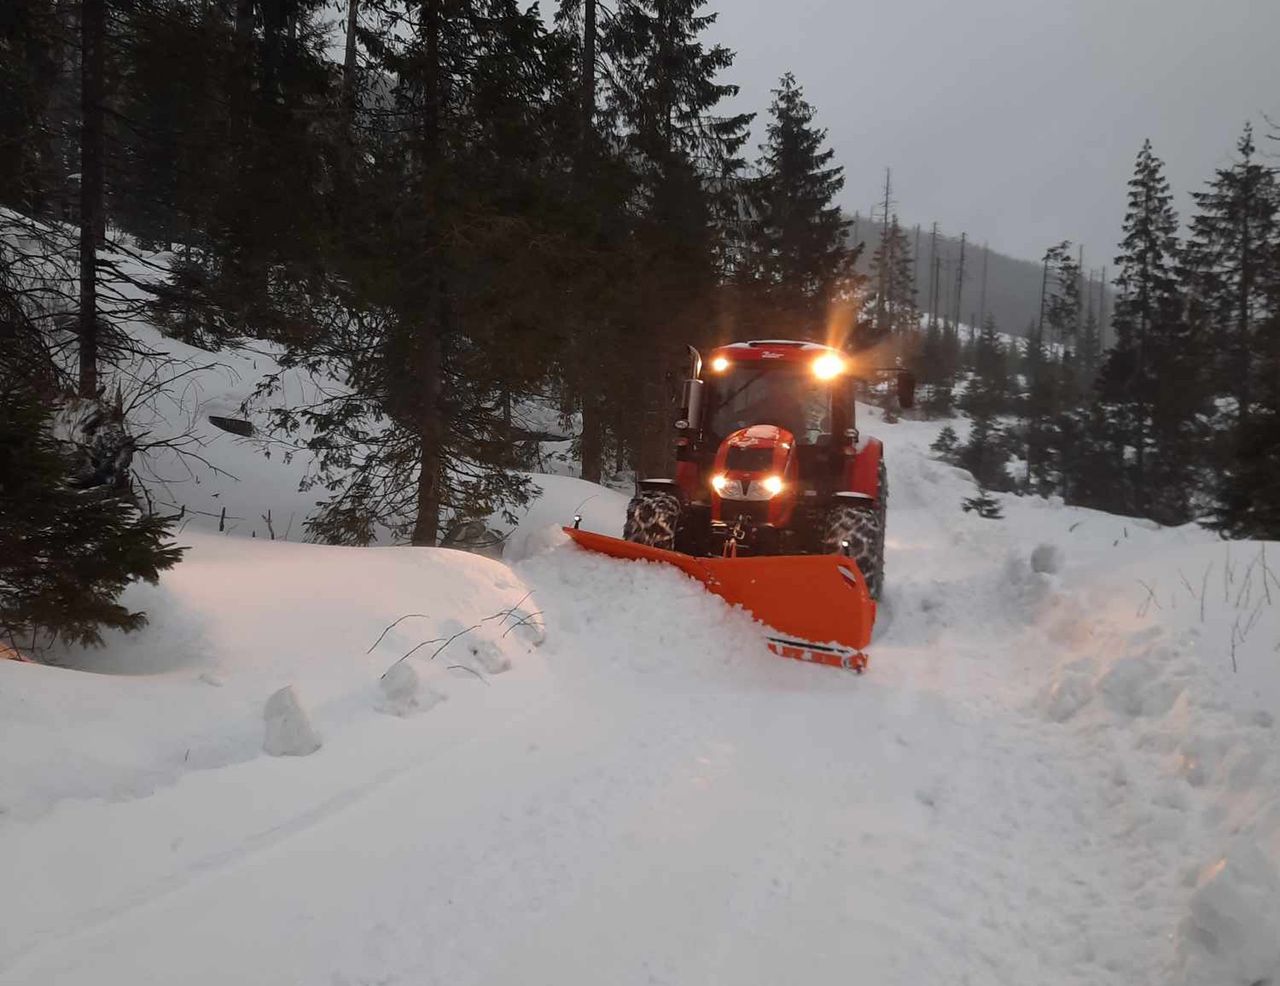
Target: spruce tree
pixel 66 554
pixel 1233 265
pixel 988 390
pixel 1230 260
pixel 983 504
pixel 1039 406
pixel 893 272
pixel 797 249
pixel 447 282
pixel 665 94
pixel 68 544
pixel 1149 381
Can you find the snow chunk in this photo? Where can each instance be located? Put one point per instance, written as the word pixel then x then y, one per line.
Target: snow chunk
pixel 1232 934
pixel 489 657
pixel 1135 687
pixel 402 694
pixel 289 732
pixel 1066 696
pixel 1046 559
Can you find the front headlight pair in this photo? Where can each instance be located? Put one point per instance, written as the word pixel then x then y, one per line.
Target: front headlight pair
pixel 757 489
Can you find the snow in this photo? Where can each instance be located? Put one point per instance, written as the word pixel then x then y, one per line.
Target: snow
pixel 1048 774
pixel 289 732
pixel 1061 766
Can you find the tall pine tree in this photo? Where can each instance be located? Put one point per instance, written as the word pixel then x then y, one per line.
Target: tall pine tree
pixel 798 253
pixel 1150 379
pixel 1233 265
pixel 665 94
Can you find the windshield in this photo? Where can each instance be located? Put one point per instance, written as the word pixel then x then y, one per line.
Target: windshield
pixel 792 399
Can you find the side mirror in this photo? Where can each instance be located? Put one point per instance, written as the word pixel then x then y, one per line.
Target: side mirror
pixel 906 389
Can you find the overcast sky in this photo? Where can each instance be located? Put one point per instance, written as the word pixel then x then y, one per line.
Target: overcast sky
pixel 1015 120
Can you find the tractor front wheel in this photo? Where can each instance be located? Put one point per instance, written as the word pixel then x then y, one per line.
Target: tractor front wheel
pixel 653 517
pixel 862 528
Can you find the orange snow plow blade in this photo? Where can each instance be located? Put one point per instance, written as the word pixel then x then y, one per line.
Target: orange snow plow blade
pixel 816 606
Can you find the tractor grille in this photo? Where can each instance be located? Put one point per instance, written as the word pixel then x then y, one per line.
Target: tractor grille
pixel 749 459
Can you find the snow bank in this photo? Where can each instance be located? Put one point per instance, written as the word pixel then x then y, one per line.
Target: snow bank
pixel 1180 663
pixel 230 626
pixel 558 500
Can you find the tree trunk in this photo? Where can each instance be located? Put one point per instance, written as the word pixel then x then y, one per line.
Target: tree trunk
pixel 244 19
pixel 349 70
pixel 426 527
pixel 592 437
pixel 92 37
pixel 429 350
pixel 588 73
pixel 592 442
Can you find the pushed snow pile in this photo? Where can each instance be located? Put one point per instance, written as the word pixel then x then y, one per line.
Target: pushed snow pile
pixel 289 732
pixel 557 500
pixel 1232 934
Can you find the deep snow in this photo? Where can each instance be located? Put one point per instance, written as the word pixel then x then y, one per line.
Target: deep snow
pixel 1046 777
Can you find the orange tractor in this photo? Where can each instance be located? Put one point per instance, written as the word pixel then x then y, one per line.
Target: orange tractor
pixel 778 501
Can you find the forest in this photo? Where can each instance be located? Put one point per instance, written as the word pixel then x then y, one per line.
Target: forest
pixel 460 206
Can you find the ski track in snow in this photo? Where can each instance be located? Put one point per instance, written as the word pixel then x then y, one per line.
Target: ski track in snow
pixel 650 798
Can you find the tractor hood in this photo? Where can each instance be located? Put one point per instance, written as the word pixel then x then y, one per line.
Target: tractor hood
pixel 754 463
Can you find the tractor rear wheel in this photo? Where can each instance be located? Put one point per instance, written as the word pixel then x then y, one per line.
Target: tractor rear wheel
pixel 653 517
pixel 863 529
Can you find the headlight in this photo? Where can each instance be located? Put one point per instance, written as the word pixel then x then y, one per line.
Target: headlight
pixel 828 366
pixel 719 364
pixel 772 485
pixel 718 482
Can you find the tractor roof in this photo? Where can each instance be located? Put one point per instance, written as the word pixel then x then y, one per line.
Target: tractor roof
pixel 781 350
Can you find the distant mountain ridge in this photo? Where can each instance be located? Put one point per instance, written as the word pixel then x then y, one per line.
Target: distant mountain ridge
pixel 1013 284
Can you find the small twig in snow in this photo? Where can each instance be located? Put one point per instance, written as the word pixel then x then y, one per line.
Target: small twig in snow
pixel 435 653
pixel 463 667
pixel 1257 611
pixel 524 621
pixel 1246 590
pixel 407 616
pixel 1151 598
pixel 507 612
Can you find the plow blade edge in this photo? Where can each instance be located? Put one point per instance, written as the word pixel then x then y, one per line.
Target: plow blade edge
pixel 817 607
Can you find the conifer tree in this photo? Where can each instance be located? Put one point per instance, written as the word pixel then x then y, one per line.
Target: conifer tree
pixel 68 545
pixel 1152 372
pixel 665 94
pixel 1090 351
pixel 1231 265
pixel 1038 409
pixel 447 293
pixel 896 313
pixel 797 252
pixel 988 391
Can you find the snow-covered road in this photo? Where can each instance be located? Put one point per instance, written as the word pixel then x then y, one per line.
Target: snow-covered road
pixel 649 797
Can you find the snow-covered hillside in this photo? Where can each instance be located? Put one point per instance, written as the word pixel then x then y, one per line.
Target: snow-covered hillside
pixel 1058 769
